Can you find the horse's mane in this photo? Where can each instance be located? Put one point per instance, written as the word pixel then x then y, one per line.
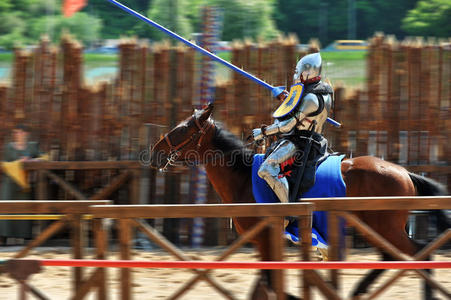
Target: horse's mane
pixel 229 144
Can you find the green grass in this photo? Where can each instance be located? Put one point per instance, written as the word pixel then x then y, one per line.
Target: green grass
pixel 99 58
pixel 225 55
pixel 347 68
pixel 89 57
pixel 343 55
pixel 327 55
pixel 6 57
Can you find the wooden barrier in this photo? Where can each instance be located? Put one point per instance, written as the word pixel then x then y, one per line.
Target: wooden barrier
pixel 73 212
pixel 271 216
pixel 343 207
pixel 129 172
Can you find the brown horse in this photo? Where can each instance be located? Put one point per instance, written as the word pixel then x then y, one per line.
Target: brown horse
pixel 199 140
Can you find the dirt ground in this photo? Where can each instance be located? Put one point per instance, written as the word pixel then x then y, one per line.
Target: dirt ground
pixel 55 282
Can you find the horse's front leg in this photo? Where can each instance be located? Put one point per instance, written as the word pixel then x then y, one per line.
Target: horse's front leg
pixel 264 288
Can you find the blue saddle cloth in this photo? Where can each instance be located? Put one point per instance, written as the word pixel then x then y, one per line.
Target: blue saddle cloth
pixel 328 183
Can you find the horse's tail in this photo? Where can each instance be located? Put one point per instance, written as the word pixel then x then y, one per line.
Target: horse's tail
pixel 428 187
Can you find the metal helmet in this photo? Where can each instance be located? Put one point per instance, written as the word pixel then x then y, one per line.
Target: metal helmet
pixel 308 69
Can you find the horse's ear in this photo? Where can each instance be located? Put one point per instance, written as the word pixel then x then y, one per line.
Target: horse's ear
pixel 206 112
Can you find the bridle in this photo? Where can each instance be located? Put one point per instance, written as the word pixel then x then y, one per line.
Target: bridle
pixel 174 150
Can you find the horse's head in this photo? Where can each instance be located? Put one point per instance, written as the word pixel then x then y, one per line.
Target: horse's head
pixel 185 141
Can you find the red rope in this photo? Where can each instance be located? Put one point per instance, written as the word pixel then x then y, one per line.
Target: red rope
pixel 246 265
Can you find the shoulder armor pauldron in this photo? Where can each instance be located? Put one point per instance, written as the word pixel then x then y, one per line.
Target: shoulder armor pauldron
pixel 319 88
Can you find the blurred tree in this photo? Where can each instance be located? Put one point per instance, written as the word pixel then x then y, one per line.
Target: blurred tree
pixel 5 5
pixel 171 14
pixel 15 17
pixel 12 31
pixel 115 21
pixel 82 26
pixel 24 21
pixel 39 8
pixel 328 19
pixel 247 18
pixel 193 13
pixel 11 21
pixel 304 19
pixel 24 5
pixel 429 18
pixel 242 18
pixel 385 16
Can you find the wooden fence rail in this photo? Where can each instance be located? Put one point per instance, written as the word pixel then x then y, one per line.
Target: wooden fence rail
pixel 343 207
pixel 72 211
pixel 270 215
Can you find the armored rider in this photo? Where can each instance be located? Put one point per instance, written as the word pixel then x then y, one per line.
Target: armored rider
pixel 300 117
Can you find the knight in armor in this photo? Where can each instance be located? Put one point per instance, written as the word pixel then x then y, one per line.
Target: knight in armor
pixel 298 125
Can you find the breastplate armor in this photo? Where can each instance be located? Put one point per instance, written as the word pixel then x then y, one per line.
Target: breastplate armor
pixel 310 104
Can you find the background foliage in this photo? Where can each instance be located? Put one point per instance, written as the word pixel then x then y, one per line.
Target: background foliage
pixel 429 18
pixel 24 21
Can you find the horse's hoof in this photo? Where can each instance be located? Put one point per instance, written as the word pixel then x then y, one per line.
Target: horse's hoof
pixel 263 292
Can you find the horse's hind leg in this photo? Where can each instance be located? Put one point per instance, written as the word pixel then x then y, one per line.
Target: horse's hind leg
pixel 261 291
pixel 427 289
pixel 392 229
pixel 365 283
pixel 404 243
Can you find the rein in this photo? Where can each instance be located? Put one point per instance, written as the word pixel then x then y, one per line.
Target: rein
pixel 174 152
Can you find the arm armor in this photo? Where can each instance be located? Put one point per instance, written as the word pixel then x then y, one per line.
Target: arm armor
pixel 309 105
pixel 284 126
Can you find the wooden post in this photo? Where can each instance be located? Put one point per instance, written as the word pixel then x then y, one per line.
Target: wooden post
pixel 21 61
pixel 72 59
pixel 77 249
pixel 305 229
pixel 101 241
pixel 125 239
pixel 340 141
pixel 23 291
pixel 135 186
pixel 277 244
pixel 42 186
pixel 393 101
pixel 5 117
pixel 238 91
pixel 334 232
